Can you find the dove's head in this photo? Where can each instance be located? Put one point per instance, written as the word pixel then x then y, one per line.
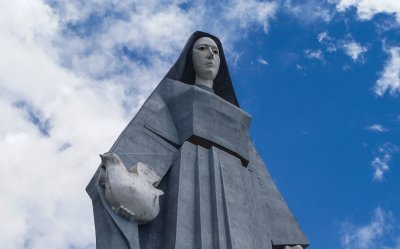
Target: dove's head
pixel 110 158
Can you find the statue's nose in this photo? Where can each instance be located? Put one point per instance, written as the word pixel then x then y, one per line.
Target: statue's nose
pixel 211 54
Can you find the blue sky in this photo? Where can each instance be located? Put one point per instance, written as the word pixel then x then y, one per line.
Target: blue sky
pixel 321 80
pixel 316 123
pixel 319 125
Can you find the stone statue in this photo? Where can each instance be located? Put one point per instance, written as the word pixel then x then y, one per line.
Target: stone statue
pixel 192 140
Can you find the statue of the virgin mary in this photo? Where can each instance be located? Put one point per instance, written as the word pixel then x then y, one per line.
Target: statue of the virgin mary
pixel 193 134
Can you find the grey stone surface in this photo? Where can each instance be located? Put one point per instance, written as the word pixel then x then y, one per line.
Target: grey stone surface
pixel 293 247
pixel 203 116
pixel 218 192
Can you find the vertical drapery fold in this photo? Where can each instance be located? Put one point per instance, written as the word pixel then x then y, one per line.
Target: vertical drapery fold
pixel 210 201
pixel 199 208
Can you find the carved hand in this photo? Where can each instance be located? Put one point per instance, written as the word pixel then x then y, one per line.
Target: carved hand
pixel 124 212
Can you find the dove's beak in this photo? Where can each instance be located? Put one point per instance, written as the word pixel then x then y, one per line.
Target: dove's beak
pixel 103 157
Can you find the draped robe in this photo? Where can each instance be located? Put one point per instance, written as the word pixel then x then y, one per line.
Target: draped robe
pixel 218 192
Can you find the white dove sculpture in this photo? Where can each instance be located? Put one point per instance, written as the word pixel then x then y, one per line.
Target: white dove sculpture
pixel 131 193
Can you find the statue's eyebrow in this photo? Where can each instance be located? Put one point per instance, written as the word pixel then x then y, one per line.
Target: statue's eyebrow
pixel 208 45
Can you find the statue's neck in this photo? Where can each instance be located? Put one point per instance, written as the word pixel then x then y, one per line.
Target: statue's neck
pixel 204 82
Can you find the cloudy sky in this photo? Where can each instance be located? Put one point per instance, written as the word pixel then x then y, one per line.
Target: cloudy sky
pixel 320 78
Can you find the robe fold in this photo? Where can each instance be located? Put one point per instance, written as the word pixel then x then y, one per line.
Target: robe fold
pixel 218 192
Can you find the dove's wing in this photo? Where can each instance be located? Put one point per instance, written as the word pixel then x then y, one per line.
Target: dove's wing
pixel 146 172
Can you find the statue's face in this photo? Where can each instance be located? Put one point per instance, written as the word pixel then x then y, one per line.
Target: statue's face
pixel 206 59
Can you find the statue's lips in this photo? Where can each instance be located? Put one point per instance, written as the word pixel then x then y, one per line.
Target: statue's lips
pixel 210 64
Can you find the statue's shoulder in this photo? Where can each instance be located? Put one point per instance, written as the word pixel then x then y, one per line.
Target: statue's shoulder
pixel 155 104
pixel 169 88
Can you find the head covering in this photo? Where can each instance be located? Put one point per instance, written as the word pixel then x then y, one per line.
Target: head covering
pixel 183 70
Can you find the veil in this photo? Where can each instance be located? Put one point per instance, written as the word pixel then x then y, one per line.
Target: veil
pixel 183 70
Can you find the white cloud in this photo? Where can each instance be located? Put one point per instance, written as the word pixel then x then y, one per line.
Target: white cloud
pixel 380 165
pixel 367 9
pixel 72 75
pixel 43 200
pixel 381 161
pixel 262 61
pixel 347 45
pixel 377 128
pixel 354 49
pixel 369 235
pixel 248 12
pixel 323 36
pixel 309 11
pixel 329 42
pixel 314 54
pixel 389 79
pixel 386 24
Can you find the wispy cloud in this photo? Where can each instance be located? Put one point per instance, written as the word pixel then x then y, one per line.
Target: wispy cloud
pixel 347 45
pixel 389 79
pixel 354 50
pixel 72 75
pixel 314 54
pixel 383 156
pixel 323 36
pixel 262 61
pixel 330 43
pixel 309 11
pixel 377 128
pixel 367 236
pixel 367 9
pixel 248 12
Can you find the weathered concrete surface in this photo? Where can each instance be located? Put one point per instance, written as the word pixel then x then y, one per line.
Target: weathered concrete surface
pixel 218 192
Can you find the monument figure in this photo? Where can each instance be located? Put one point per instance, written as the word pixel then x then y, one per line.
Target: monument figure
pixel 190 140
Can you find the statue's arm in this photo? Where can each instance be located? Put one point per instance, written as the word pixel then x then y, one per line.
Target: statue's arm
pixel 149 139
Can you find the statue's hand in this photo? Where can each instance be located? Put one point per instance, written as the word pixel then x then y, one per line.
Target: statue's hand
pixel 293 247
pixel 124 212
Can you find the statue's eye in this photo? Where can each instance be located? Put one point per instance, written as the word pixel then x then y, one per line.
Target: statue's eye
pixel 201 48
pixel 215 51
